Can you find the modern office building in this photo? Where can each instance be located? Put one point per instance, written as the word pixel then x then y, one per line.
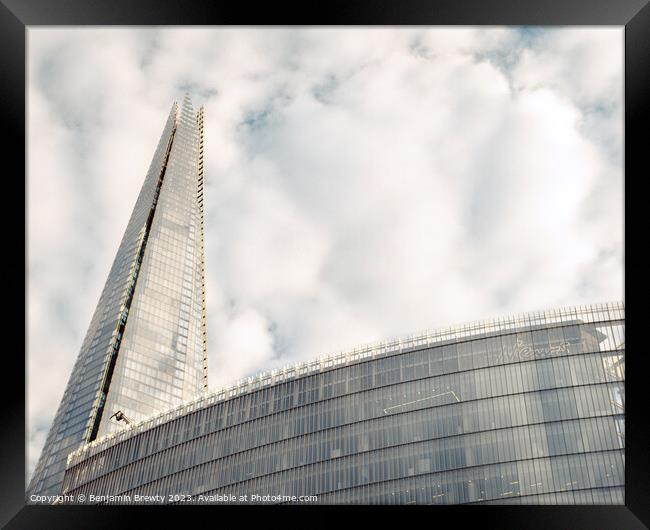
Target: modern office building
pixel 145 349
pixel 527 410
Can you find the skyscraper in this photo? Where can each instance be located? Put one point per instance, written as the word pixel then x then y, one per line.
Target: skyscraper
pixel 145 349
pixel 528 409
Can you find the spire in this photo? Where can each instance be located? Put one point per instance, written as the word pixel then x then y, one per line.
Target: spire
pixel 145 348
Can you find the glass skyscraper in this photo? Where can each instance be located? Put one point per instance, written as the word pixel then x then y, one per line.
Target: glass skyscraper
pixel 521 410
pixel 145 349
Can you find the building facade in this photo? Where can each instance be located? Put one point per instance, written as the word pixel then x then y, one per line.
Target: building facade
pixel 527 410
pixel 145 349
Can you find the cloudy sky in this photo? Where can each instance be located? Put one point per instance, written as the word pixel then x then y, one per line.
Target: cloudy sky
pixel 360 183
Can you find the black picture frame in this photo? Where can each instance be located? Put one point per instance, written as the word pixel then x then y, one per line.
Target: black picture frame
pixel 17 15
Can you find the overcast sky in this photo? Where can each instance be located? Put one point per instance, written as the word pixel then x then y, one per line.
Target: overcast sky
pixel 360 183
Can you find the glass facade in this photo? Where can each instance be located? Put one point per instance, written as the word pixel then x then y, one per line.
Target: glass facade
pixel 162 353
pixel 525 410
pixel 145 348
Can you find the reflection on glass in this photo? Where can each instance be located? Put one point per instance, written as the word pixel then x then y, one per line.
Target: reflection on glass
pixel 453 423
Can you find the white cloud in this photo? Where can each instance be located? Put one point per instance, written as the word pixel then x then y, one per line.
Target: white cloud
pixel 244 342
pixel 361 183
pixel 588 70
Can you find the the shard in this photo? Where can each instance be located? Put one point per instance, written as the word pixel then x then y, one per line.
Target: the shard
pixel 145 349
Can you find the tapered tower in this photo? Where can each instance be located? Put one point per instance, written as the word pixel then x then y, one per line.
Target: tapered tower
pixel 146 347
